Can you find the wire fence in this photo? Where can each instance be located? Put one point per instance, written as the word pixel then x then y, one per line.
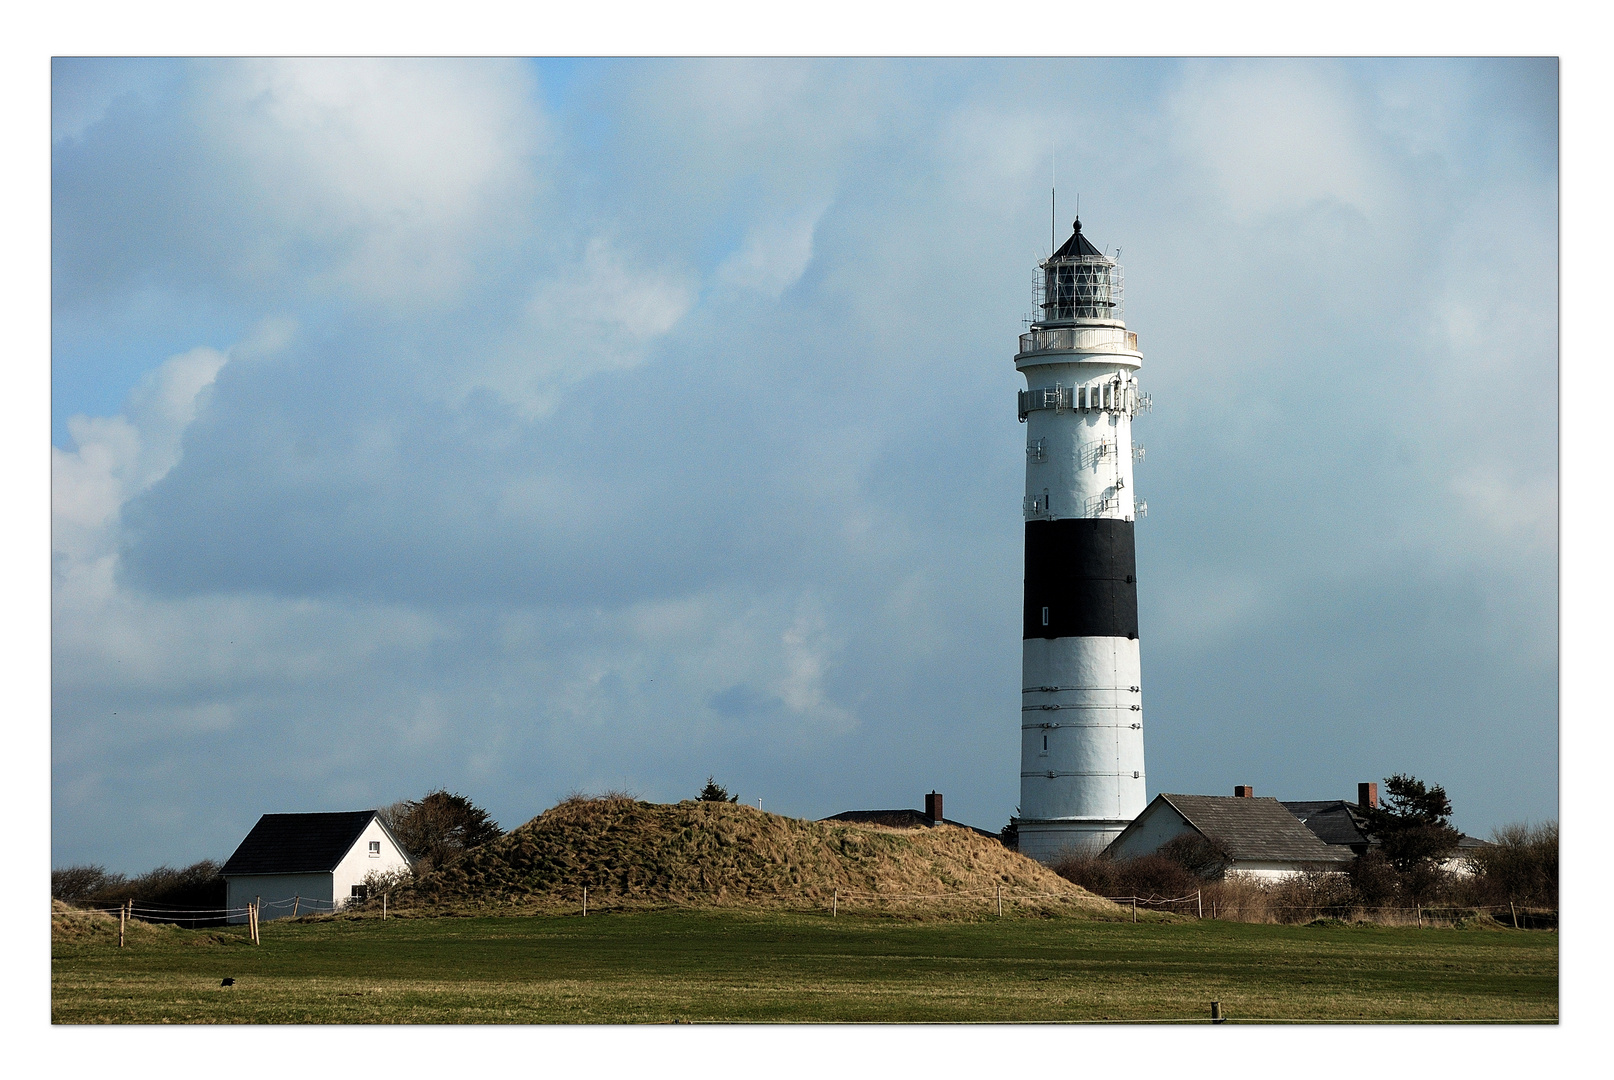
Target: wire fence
pixel 998 901
pixel 146 911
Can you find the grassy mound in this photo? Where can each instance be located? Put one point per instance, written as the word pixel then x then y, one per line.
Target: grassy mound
pixel 629 853
pixel 79 926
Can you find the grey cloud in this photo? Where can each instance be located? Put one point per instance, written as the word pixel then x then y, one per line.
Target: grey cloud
pixel 775 536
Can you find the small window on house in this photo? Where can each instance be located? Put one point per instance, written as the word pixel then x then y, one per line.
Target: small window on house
pixel 1045 744
pixel 359 892
pixel 1045 616
pixel 375 849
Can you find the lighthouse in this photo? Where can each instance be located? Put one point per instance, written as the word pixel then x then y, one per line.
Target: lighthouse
pixel 1081 696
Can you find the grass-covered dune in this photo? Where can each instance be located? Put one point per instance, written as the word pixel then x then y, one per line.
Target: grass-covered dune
pixel 630 853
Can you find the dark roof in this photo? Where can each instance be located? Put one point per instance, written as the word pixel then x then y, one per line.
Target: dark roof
pixel 1340 822
pixel 1252 829
pixel 298 843
pixel 901 819
pixel 1077 246
pixel 1334 821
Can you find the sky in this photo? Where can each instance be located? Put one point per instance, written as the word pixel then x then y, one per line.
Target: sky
pixel 529 428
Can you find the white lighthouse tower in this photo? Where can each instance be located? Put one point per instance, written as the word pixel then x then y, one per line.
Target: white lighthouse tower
pixel 1081 701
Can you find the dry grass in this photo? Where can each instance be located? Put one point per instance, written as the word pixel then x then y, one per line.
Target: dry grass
pixel 707 854
pixel 74 926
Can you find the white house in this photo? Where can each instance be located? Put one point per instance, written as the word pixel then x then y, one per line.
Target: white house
pixel 1258 838
pixel 302 863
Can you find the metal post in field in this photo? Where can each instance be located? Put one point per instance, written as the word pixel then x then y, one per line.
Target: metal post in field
pixel 383 906
pixel 1199 898
pixel 123 912
pixel 835 905
pixel 1134 909
pixel 295 901
pixel 1420 916
pixel 585 899
pixel 1515 912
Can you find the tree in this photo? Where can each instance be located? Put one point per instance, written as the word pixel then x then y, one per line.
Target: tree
pixel 440 826
pixel 715 792
pixel 1413 826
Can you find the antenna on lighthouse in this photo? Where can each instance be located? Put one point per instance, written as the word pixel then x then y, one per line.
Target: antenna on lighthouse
pixel 1053 208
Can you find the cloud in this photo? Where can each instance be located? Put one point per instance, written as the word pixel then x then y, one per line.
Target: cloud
pixel 1279 138
pixel 368 181
pixel 118 457
pixel 774 255
pixel 672 434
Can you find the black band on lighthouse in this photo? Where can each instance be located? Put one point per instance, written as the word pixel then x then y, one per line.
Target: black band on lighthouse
pixel 1081 579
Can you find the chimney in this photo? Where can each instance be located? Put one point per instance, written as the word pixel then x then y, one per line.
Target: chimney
pixel 1243 791
pixel 933 806
pixel 1367 795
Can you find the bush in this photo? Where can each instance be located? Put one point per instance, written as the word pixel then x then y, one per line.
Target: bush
pixel 1148 877
pixel 77 884
pixel 379 883
pixel 1520 866
pixel 1375 882
pixel 197 887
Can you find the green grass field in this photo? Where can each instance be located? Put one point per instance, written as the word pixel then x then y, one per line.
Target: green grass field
pixel 726 966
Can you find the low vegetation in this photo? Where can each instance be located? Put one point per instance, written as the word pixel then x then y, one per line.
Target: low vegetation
pixel 738 965
pixel 194 887
pixel 1515 878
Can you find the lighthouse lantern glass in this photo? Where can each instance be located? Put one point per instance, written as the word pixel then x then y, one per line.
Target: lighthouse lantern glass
pixel 1084 287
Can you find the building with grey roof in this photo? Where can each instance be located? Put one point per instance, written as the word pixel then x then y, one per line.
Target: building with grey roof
pixel 1255 837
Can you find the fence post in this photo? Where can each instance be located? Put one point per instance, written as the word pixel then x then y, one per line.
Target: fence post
pixel 1216 1012
pixel 383 907
pixel 1515 912
pixel 835 905
pixel 296 900
pixel 1134 909
pixel 123 911
pixel 1000 899
pixel 585 900
pixel 1199 898
pixel 1420 916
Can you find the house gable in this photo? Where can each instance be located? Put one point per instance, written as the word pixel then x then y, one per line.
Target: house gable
pixel 1158 825
pixel 361 861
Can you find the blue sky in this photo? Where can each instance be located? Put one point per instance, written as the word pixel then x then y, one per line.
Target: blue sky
pixel 525 428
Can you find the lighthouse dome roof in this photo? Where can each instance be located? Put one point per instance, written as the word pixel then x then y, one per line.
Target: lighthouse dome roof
pixel 1077 246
